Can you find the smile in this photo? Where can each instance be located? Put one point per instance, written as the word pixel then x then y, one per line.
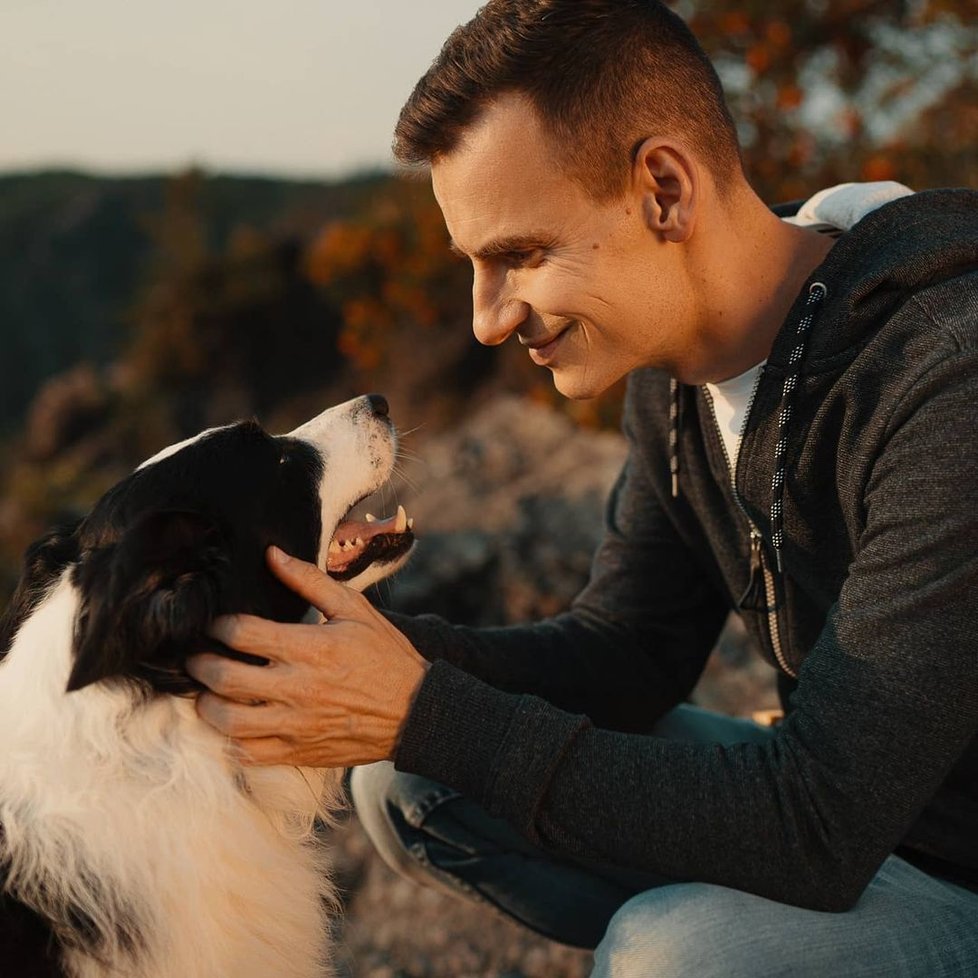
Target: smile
pixel 541 353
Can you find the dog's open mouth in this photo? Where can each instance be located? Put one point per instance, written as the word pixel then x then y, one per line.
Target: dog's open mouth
pixel 356 545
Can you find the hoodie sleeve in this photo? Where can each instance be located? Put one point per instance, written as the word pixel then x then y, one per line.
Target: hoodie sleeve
pixel 886 703
pixel 633 644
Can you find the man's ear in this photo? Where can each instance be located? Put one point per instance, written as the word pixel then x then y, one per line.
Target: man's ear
pixel 148 597
pixel 667 180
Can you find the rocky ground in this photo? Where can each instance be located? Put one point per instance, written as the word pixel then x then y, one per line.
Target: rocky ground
pixel 508 509
pixel 395 929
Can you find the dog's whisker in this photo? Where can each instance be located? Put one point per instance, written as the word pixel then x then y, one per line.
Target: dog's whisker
pixel 405 454
pixel 409 484
pixel 402 475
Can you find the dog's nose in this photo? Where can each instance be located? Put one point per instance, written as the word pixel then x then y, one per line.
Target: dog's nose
pixel 379 405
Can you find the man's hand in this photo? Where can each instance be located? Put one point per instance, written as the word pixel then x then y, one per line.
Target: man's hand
pixel 332 695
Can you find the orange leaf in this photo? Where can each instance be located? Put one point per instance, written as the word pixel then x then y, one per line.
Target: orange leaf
pixel 736 22
pixel 790 97
pixel 879 168
pixel 778 33
pixel 759 58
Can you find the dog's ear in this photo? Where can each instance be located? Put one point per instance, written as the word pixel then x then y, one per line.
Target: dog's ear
pixel 148 598
pixel 43 564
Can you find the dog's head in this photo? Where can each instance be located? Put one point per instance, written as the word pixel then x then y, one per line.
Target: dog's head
pixel 183 539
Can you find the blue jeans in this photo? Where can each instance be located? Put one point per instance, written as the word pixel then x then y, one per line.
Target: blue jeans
pixel 906 925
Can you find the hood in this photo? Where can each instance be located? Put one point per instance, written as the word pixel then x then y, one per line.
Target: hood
pixel 897 249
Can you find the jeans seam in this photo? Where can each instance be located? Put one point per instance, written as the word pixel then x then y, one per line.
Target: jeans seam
pixel 420 852
pixel 420 809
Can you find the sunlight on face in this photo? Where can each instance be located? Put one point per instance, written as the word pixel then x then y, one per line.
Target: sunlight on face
pixel 578 281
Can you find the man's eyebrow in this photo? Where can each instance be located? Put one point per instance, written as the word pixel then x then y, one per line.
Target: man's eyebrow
pixel 503 246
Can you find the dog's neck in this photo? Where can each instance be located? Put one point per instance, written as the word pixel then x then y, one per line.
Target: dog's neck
pixel 35 671
pixel 128 812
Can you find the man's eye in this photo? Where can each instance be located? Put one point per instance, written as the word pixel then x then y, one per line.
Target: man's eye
pixel 525 259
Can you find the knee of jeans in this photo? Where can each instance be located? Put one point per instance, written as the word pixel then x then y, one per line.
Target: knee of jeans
pixel 391 806
pixel 672 932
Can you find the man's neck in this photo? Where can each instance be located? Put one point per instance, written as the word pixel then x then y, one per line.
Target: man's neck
pixel 761 265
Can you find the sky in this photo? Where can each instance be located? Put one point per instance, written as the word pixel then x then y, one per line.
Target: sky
pixel 304 88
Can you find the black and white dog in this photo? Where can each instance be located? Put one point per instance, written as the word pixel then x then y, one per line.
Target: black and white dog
pixel 132 845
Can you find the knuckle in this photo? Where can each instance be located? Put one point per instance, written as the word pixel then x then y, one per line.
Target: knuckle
pixel 209 670
pixel 310 645
pixel 223 719
pixel 223 676
pixel 248 633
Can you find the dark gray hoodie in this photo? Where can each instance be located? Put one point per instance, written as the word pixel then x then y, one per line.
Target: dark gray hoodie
pixel 850 548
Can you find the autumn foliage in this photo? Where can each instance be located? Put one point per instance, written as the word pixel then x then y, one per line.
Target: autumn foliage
pixel 389 271
pixel 840 90
pixel 281 317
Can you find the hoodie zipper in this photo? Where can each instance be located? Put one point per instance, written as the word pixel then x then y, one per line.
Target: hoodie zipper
pixel 817 292
pixel 758 565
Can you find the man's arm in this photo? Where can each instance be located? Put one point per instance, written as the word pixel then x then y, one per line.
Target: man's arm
pixel 630 649
pixel 633 644
pixel 886 703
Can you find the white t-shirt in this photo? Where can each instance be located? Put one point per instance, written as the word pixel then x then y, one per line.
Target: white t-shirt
pixel 731 399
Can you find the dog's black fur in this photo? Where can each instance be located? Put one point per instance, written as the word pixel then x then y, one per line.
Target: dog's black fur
pixel 178 542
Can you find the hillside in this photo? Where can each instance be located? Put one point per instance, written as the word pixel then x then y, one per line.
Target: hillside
pixel 135 312
pixel 75 248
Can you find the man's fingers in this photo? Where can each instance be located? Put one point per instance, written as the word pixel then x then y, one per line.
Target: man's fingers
pixel 320 590
pixel 265 750
pixel 233 680
pixel 248 633
pixel 239 720
pixel 280 643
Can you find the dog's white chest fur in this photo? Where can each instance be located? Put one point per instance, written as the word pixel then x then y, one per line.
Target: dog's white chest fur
pixel 127 816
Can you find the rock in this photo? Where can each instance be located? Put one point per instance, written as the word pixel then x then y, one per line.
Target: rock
pixel 508 510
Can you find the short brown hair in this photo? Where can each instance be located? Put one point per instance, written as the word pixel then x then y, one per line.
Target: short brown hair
pixel 603 75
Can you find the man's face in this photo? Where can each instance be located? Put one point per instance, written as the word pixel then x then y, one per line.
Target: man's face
pixel 584 285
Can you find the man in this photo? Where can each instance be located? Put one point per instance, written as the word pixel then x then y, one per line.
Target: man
pixel 585 163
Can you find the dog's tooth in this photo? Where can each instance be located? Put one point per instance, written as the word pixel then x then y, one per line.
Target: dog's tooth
pixel 410 524
pixel 334 546
pixel 358 542
pixel 370 518
pixel 400 523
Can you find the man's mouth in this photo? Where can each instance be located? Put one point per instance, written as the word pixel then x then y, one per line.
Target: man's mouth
pixel 541 351
pixel 357 544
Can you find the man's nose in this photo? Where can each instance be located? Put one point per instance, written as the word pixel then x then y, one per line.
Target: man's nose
pixel 496 312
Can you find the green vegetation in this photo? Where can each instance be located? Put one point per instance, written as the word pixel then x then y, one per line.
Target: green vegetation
pixel 135 311
pixel 75 250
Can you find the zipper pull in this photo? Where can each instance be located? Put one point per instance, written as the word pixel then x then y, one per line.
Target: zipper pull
pixel 754 597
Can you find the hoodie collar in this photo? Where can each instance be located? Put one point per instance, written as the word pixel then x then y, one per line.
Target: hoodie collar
pixel 899 248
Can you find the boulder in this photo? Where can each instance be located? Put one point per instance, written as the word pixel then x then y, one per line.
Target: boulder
pixel 508 510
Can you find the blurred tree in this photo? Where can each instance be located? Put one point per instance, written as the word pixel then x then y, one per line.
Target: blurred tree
pixel 404 300
pixel 259 290
pixel 827 91
pixel 231 328
pixel 389 270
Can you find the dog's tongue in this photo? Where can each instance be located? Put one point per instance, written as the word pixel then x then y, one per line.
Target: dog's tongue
pixel 352 537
